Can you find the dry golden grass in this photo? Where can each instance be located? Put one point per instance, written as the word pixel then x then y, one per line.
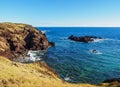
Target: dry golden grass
pixel 12 27
pixel 15 33
pixel 3 45
pixel 14 74
pixel 16 37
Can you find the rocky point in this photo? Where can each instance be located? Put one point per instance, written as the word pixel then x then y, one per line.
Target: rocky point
pixel 17 38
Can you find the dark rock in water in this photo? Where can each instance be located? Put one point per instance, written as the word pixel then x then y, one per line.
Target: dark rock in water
pixel 83 38
pixel 112 80
pixel 51 43
pixel 16 39
pixel 115 82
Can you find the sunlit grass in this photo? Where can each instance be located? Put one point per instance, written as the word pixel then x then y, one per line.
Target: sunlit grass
pixel 14 74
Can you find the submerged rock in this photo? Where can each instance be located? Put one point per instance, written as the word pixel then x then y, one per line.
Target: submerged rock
pixel 83 38
pixel 112 80
pixel 16 39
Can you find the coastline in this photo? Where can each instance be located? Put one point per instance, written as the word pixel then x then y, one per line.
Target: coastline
pixel 48 77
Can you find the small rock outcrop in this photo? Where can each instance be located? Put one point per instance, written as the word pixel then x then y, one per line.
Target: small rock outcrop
pixel 52 43
pixel 16 39
pixel 83 38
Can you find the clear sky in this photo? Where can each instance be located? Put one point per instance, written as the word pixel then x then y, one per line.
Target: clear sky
pixel 61 12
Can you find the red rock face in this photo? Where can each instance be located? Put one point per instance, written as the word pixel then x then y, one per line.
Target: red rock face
pixel 36 41
pixel 18 38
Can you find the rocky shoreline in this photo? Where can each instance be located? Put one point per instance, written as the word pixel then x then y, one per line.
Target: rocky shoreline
pixel 17 40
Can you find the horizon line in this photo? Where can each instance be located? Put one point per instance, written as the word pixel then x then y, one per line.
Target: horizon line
pixel 84 26
pixel 34 25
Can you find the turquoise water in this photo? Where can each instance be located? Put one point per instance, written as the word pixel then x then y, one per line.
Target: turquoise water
pixel 74 61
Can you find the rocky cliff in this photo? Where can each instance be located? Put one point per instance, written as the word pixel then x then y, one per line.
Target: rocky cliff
pixel 16 39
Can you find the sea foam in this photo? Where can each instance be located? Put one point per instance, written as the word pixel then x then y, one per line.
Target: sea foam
pixel 31 56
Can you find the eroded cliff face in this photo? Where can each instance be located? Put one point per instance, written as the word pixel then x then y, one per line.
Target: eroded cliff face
pixel 16 39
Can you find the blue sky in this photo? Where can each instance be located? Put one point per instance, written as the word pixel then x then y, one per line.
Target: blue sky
pixel 61 12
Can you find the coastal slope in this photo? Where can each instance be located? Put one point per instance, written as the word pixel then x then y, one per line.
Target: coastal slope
pixel 14 74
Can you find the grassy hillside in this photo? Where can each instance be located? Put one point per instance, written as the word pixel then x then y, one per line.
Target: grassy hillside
pixel 14 74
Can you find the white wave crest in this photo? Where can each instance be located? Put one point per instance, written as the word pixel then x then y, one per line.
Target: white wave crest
pixel 64 38
pixel 103 39
pixel 98 40
pixel 32 56
pixel 67 78
pixel 45 31
pixel 95 52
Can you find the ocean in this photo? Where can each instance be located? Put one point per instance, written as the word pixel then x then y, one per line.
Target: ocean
pixel 74 62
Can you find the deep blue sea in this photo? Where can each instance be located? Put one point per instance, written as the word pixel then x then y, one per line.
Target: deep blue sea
pixel 74 62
